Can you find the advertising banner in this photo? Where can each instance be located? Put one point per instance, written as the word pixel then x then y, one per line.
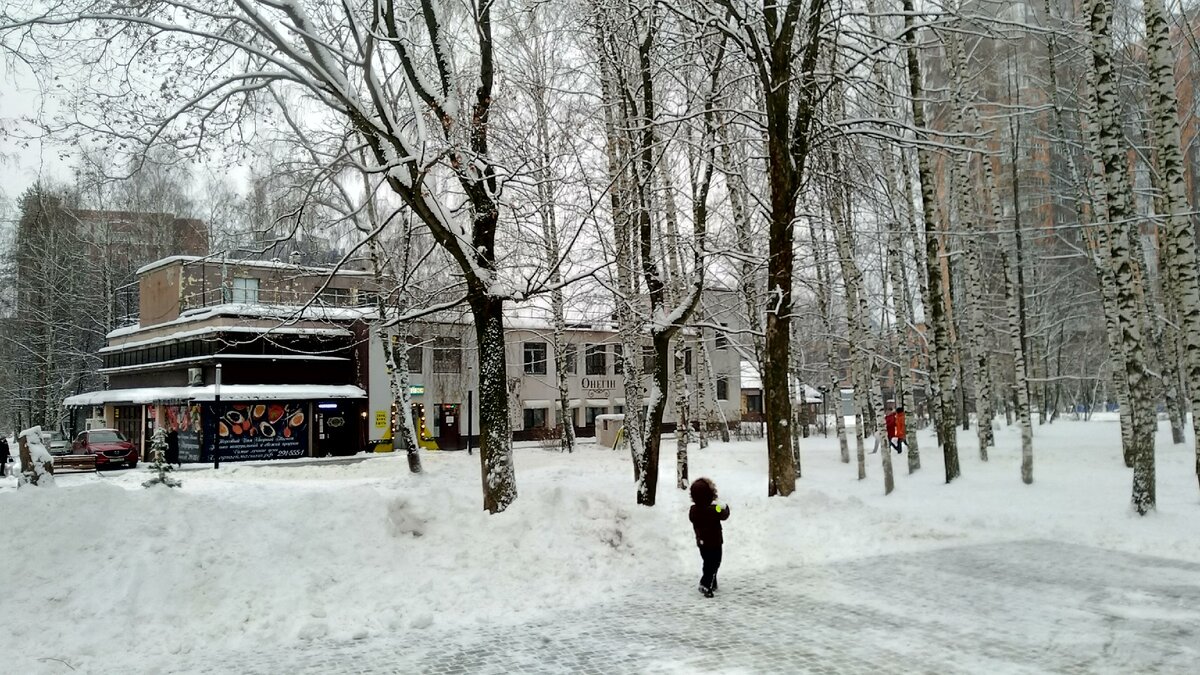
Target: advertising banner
pixel 256 430
pixel 184 422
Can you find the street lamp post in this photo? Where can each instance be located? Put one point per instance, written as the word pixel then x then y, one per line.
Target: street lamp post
pixel 217 426
pixel 825 411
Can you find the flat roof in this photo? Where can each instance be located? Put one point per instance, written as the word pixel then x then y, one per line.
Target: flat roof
pixel 229 392
pixel 260 264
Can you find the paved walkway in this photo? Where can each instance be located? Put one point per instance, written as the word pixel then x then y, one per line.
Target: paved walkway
pixel 1021 607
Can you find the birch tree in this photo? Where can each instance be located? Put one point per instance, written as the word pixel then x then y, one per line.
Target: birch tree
pixel 1111 165
pixel 1179 235
pixel 936 309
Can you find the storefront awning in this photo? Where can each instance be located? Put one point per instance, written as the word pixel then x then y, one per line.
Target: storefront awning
pixel 597 403
pixel 536 403
pixel 229 392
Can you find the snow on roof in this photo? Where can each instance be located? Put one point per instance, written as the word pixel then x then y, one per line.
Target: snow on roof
pixel 273 312
pixel 261 264
pixel 752 380
pixel 750 377
pixel 213 330
pixel 229 392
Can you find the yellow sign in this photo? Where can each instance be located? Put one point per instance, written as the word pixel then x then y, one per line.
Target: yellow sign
pixel 381 419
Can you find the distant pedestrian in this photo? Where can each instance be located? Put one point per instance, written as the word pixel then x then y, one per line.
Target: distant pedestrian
pixel 706 516
pixel 3 456
pixel 896 429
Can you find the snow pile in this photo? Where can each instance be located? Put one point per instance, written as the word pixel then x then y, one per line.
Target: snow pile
pixel 301 551
pixel 40 472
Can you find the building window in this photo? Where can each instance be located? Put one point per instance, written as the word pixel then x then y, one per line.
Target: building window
pixel 687 360
pixel 722 388
pixel 335 297
pixel 722 342
pixel 590 414
pixel 754 403
pixel 368 299
pixel 596 360
pixel 535 359
pixel 572 358
pixel 535 418
pixel 647 359
pixel 416 355
pixel 245 290
pixel 618 360
pixel 447 355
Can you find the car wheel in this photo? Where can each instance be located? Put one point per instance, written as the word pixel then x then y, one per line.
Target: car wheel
pixel 133 465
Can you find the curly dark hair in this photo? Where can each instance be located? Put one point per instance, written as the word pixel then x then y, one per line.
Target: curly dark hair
pixel 703 491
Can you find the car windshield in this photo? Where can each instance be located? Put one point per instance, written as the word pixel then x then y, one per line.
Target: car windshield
pixel 105 436
pixel 55 435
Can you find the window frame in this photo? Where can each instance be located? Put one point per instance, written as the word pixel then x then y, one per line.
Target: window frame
pixel 532 364
pixel 446 345
pixel 240 289
pixel 571 356
pixel 598 366
pixel 529 418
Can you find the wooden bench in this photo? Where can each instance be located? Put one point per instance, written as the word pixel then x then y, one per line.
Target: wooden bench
pixel 67 463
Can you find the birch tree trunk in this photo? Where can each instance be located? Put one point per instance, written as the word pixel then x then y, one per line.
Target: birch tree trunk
pixel 616 148
pixel 1180 231
pixel 674 295
pixel 1015 280
pixel 1089 200
pixel 701 376
pixel 937 307
pixel 1122 217
pixel 548 212
pixel 904 303
pixel 974 294
pixel 852 283
pixel 824 308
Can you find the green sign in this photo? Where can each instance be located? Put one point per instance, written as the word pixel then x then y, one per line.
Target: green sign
pixel 416 390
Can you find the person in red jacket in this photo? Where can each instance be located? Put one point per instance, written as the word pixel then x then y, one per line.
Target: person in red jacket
pixel 706 516
pixel 896 429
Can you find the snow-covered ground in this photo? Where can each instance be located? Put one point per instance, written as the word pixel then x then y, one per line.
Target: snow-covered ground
pixel 103 574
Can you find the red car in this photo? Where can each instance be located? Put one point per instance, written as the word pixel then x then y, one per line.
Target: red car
pixel 109 447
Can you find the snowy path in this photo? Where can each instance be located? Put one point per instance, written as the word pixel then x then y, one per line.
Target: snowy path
pixel 1019 607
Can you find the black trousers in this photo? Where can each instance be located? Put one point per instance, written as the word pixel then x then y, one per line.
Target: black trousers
pixel 711 555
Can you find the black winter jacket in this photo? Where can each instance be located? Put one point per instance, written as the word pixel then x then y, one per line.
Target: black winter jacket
pixel 706 521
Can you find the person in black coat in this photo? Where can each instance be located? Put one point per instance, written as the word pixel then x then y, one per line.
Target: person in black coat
pixel 706 516
pixel 3 456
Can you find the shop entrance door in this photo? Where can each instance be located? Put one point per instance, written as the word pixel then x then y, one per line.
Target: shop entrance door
pixel 448 422
pixel 335 433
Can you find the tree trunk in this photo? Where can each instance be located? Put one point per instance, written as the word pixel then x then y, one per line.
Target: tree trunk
pixel 1180 239
pixel 904 307
pixel 1015 280
pixel 937 308
pixel 1122 217
pixel 824 308
pixel 495 433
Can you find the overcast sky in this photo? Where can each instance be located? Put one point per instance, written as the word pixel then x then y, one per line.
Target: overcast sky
pixel 20 166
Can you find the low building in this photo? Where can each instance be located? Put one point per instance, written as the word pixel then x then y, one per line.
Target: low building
pixel 443 366
pixel 304 372
pixel 291 374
